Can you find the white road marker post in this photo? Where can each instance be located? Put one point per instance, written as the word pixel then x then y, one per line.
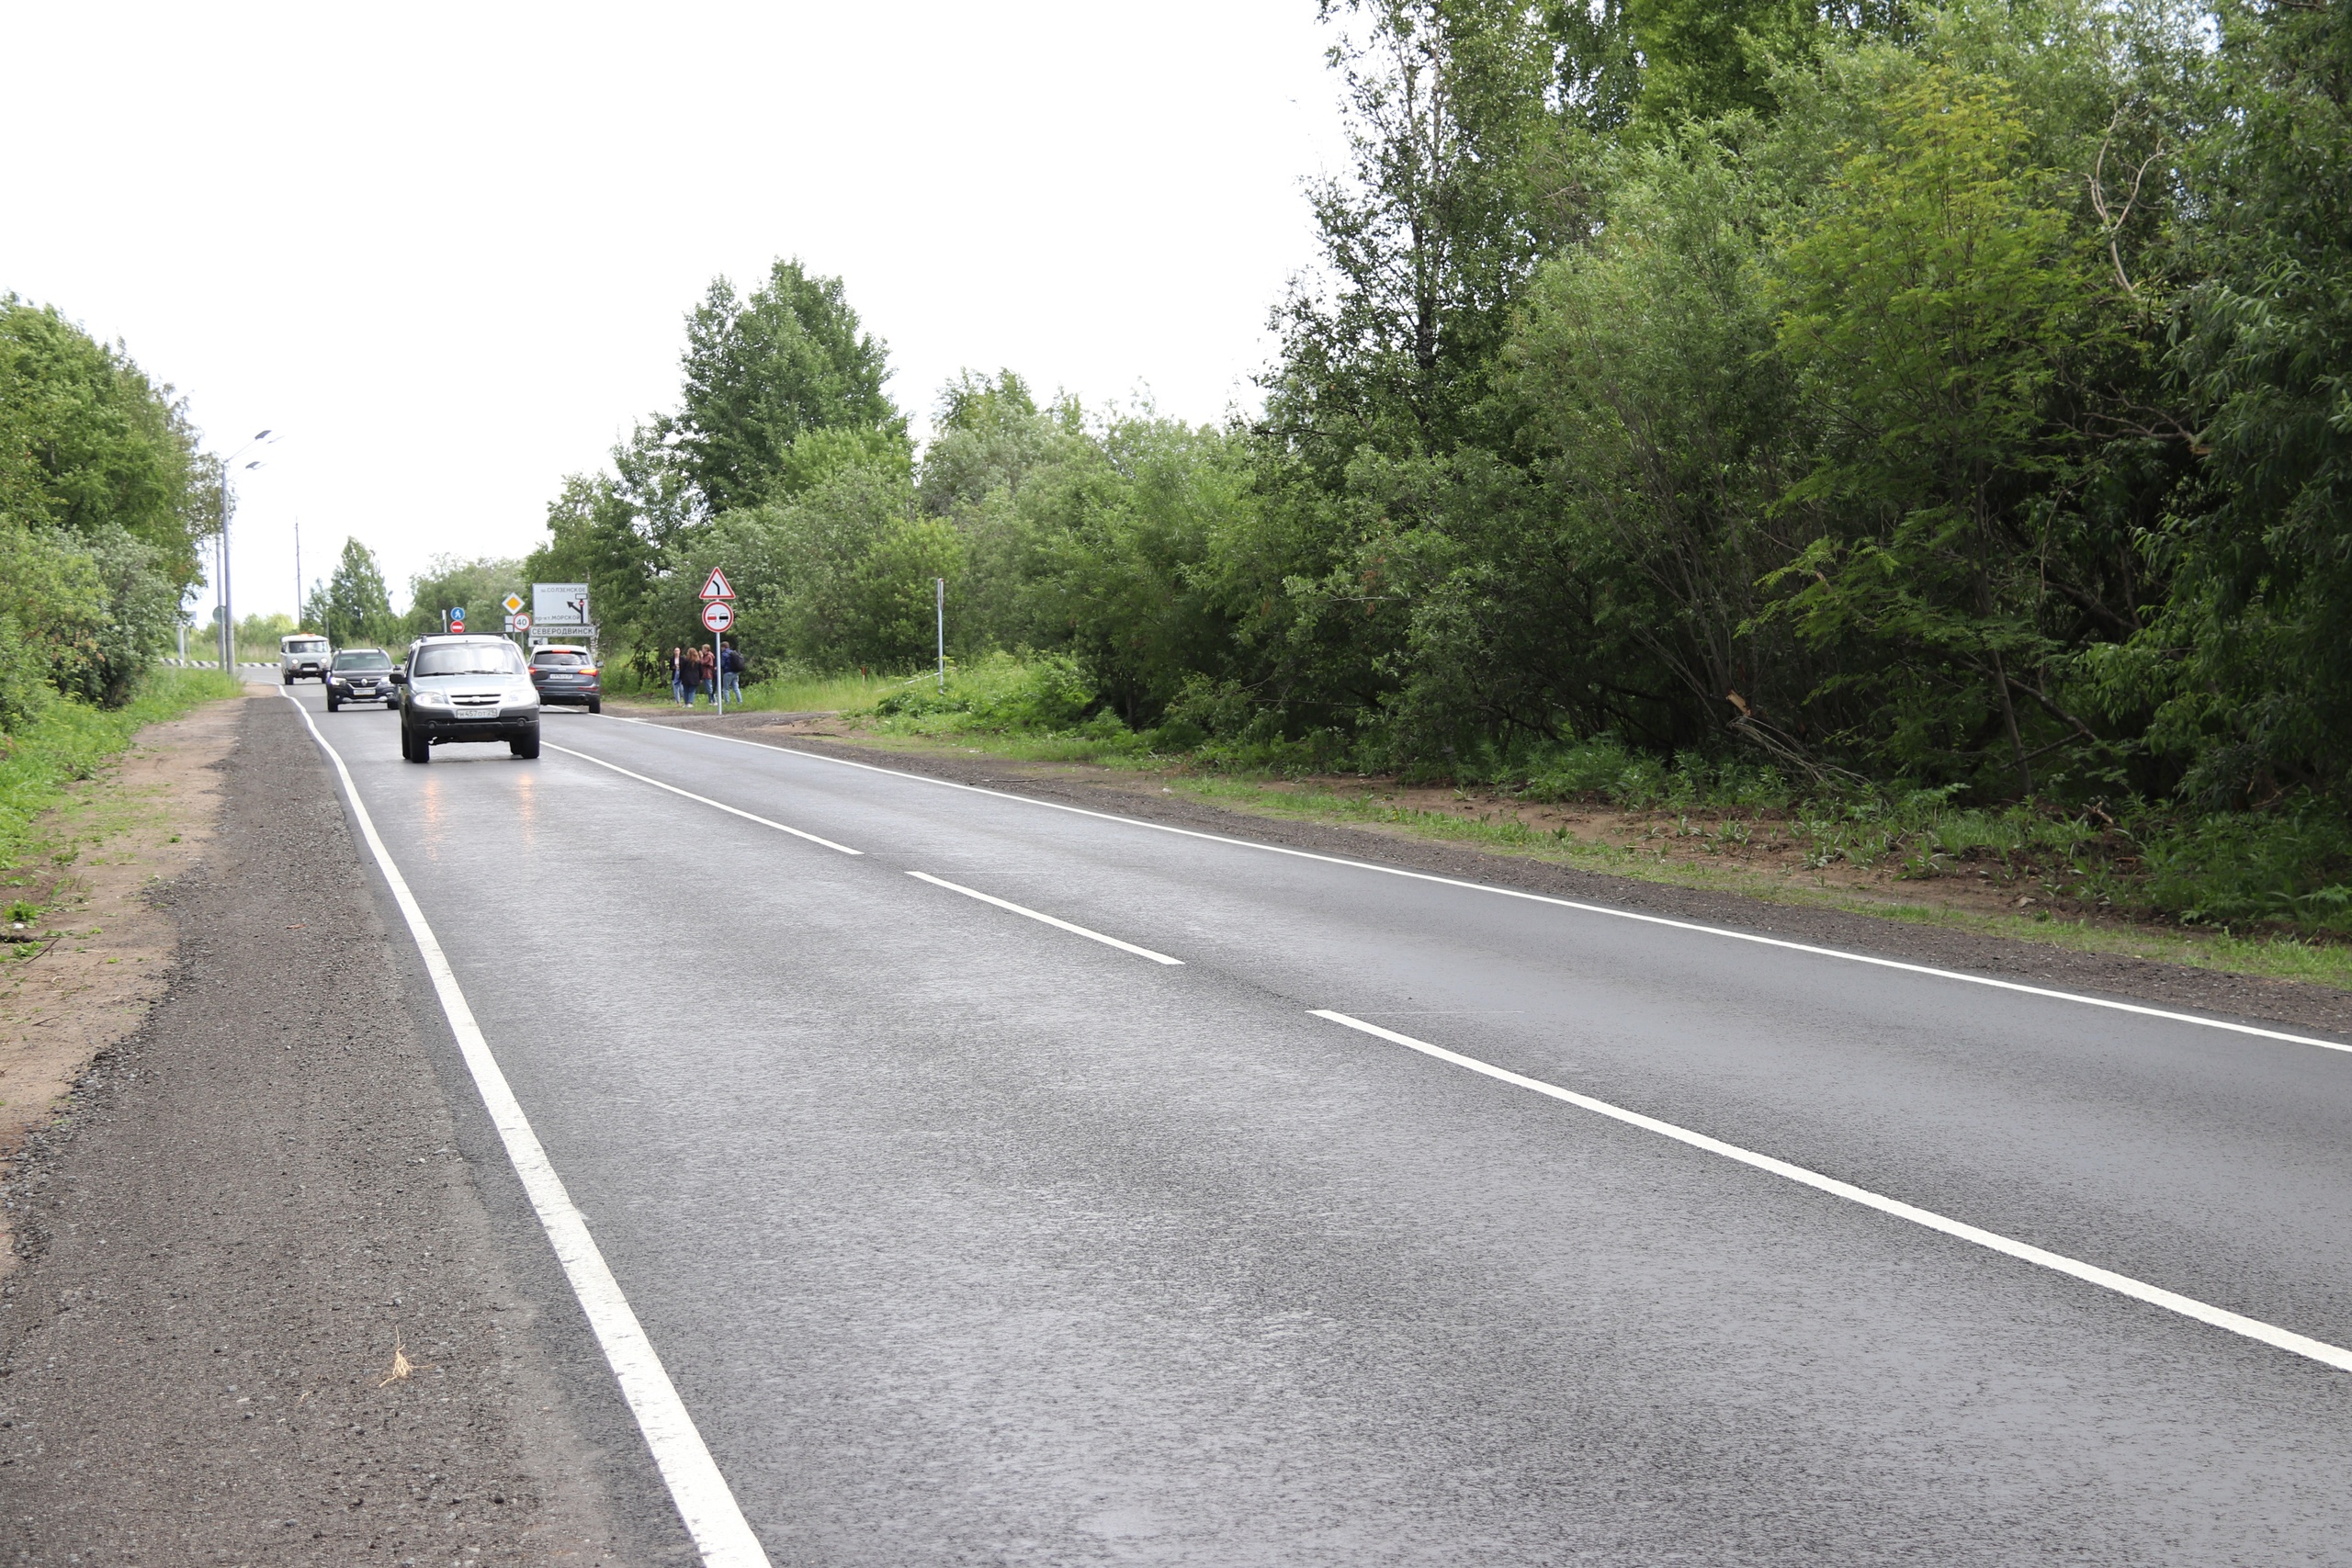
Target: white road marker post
pixel 939 586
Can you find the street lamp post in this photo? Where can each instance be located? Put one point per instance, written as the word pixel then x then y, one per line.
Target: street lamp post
pixel 227 608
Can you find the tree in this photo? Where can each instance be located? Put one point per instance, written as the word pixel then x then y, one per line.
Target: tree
pixel 2249 665
pixel 102 498
pixel 1705 58
pixel 352 605
pixel 475 586
pixel 1933 309
pixel 1428 238
pixel 87 442
pixel 1645 370
pixel 762 371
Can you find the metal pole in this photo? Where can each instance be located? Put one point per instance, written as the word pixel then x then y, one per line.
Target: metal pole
pixel 220 589
pixel 939 586
pixel 228 601
pixel 298 575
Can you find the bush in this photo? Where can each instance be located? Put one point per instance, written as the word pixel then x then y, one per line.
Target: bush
pixel 1003 691
pixel 2292 865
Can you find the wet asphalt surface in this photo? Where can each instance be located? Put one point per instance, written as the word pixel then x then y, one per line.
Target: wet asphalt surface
pixel 968 1240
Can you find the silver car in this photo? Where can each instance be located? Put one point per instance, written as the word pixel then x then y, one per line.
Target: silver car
pixel 302 656
pixel 465 688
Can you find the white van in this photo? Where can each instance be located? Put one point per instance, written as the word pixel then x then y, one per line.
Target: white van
pixel 302 656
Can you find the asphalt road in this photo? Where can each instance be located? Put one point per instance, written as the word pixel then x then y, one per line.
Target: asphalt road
pixel 968 1238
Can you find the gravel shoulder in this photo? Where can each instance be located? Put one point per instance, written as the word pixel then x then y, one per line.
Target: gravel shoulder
pixel 250 1212
pixel 103 948
pixel 2287 1003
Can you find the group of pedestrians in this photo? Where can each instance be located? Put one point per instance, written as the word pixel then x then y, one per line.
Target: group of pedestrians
pixel 694 673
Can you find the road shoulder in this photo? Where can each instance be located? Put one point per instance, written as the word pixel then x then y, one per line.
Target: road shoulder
pixel 105 947
pixel 258 1209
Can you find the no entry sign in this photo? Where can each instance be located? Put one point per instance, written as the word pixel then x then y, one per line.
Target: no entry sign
pixel 718 615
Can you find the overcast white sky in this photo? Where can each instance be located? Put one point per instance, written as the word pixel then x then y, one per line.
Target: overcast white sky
pixel 446 251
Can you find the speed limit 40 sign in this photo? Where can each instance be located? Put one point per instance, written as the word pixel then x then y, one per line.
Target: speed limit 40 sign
pixel 718 615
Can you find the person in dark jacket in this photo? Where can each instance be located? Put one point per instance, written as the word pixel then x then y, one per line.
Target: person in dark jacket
pixel 730 676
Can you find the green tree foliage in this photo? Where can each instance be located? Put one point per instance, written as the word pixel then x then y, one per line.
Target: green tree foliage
pixel 104 499
pixel 1935 303
pixel 1429 235
pixel 477 586
pixel 764 371
pixel 2248 667
pixel 1662 424
pixel 1707 58
pixel 353 607
pixel 1954 397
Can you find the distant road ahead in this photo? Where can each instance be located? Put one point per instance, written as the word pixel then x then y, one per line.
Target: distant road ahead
pixel 1006 1191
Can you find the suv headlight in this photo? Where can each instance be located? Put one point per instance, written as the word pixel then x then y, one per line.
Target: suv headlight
pixel 429 699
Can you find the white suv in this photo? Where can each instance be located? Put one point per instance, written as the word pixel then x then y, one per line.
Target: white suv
pixel 300 657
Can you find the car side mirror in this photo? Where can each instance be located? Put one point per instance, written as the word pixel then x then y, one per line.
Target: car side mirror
pixel 400 677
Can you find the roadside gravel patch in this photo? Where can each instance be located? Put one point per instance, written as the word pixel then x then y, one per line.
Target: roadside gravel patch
pixel 250 1205
pixel 2287 1003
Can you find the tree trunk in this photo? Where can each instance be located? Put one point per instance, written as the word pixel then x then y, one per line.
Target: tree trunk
pixel 2009 717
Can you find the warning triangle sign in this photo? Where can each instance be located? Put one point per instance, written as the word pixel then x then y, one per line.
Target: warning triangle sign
pixel 715 588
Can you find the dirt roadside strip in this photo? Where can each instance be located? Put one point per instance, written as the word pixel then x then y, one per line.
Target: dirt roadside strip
pixel 2288 1003
pixel 254 1206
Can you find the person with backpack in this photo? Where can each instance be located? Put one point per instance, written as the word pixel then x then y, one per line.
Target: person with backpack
pixel 730 676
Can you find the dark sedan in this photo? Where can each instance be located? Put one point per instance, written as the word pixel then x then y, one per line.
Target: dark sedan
pixel 361 675
pixel 568 677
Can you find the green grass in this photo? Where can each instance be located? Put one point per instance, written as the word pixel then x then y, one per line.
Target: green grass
pixel 71 741
pixel 818 694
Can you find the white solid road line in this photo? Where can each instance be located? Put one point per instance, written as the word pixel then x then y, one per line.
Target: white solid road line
pixel 1758 938
pixel 704 1502
pixel 705 799
pixel 2123 1284
pixel 1048 920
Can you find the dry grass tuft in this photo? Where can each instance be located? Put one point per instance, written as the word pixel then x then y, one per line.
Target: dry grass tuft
pixel 401 1365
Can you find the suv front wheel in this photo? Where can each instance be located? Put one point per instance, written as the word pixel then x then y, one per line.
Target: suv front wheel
pixel 526 746
pixel 414 748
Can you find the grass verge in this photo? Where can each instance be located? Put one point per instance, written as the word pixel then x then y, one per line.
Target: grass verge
pixel 71 741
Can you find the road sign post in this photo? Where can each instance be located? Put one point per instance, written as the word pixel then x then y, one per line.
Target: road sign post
pixel 717 614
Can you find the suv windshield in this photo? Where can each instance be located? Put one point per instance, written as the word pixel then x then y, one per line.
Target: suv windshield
pixel 557 660
pixel 306 644
pixel 366 658
pixel 469 659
